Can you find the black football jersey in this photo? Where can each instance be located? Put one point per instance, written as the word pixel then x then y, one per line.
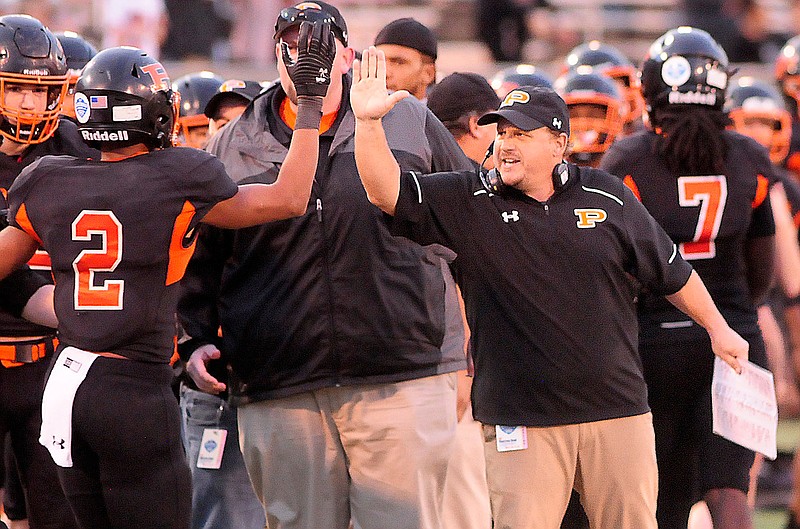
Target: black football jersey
pixel 710 217
pixel 119 235
pixel 66 140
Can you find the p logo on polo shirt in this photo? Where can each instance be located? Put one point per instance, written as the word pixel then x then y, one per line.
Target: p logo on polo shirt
pixel 515 96
pixel 590 217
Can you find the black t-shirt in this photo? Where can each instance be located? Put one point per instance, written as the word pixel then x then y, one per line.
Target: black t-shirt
pixel 549 290
pixel 710 217
pixel 119 236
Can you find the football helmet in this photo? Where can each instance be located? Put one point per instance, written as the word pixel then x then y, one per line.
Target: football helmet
pixel 124 96
pixel 508 79
pixel 196 90
pixel 78 51
pixel 787 70
pixel 609 61
pixel 30 57
pixel 595 113
pixel 685 66
pixel 751 101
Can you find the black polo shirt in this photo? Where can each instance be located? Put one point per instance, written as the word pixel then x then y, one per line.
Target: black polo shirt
pixel 549 290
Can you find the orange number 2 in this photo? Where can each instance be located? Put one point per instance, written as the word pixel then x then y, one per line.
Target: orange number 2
pixel 106 294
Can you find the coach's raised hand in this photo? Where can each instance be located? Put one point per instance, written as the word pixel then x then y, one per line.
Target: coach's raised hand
pixel 368 96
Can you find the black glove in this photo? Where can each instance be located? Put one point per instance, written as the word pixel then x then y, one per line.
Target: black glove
pixel 316 50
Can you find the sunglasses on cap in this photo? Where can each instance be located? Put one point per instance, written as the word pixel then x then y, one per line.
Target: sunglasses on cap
pixel 293 16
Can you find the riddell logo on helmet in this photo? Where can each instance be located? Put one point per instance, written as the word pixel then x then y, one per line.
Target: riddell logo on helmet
pixel 692 98
pixel 105 135
pixel 36 71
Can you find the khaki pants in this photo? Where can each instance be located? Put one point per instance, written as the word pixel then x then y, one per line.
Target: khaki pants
pixel 466 496
pixel 377 454
pixel 612 464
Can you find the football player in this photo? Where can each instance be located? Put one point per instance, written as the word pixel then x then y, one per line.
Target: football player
pixel 595 114
pixel 33 85
pixel 120 231
pixel 77 51
pixel 708 187
pixel 196 90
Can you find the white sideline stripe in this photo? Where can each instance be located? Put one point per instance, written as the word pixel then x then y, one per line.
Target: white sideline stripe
pixel 676 324
pixel 419 189
pixel 604 193
pixel 674 253
pixel 478 192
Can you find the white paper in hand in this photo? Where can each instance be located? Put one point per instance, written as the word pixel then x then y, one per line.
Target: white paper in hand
pixel 744 407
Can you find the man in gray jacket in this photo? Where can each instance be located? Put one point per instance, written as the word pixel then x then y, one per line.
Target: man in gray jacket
pixel 343 348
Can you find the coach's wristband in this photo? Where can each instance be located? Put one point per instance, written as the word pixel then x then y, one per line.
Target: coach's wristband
pixel 309 112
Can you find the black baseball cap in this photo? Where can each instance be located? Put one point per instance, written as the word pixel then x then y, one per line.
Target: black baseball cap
pixel 409 33
pixel 235 89
pixel 459 94
pixel 531 107
pixel 312 12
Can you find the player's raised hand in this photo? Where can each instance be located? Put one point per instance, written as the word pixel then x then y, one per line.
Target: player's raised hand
pixel 368 96
pixel 316 51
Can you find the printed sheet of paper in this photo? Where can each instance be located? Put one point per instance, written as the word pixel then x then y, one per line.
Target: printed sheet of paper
pixel 744 407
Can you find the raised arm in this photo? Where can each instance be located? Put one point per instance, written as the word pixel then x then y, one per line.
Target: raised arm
pixel 695 301
pixel 370 100
pixel 288 196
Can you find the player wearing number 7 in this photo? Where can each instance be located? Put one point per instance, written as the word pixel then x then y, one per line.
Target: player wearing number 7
pixel 708 188
pixel 120 232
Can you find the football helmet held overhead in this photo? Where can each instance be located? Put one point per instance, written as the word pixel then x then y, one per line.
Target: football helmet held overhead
pixel 595 108
pixel 685 66
pixel 31 58
pixel 123 97
pixel 754 106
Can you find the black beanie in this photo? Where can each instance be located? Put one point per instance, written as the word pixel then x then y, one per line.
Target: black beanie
pixel 409 33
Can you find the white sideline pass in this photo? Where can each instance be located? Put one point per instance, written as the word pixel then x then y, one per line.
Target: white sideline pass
pixel 212 447
pixel 744 407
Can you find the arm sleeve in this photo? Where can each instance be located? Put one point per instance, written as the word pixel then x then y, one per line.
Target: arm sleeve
pixel 200 287
pixel 17 289
pixel 427 210
pixel 657 263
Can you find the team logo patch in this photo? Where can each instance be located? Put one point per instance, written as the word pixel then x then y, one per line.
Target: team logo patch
pixel 158 74
pixel 515 96
pixel 126 113
pixel 98 101
pixel 82 111
pixel 510 216
pixel 590 217
pixel 676 70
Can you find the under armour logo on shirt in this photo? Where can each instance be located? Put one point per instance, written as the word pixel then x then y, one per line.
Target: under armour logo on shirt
pixel 557 123
pixel 511 217
pixel 60 443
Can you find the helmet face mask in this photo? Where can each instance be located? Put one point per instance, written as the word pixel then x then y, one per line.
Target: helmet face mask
pixel 33 80
pixel 124 97
pixel 595 113
pixel 685 66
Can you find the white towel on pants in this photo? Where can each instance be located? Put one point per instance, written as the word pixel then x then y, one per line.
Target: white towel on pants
pixel 68 373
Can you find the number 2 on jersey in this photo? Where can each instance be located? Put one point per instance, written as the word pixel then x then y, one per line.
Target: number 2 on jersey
pixel 89 294
pixel 710 193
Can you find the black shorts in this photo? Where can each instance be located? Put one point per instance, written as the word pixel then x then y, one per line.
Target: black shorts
pixel 692 459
